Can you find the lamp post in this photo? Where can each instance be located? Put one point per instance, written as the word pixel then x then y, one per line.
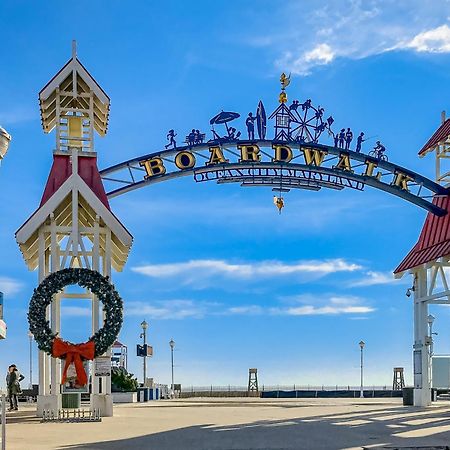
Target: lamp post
pixel 172 345
pixel 5 139
pixel 144 326
pixel 361 392
pixel 30 335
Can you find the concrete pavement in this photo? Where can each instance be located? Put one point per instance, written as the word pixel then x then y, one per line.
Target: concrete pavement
pixel 238 424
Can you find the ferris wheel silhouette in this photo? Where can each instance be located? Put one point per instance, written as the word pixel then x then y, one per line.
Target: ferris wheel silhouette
pixel 308 124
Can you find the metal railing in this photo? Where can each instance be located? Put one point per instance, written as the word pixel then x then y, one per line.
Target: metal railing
pixel 241 391
pixel 283 387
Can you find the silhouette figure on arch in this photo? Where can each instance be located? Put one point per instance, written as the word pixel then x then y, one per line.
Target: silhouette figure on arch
pixel 171 138
pixel 250 126
pixel 359 140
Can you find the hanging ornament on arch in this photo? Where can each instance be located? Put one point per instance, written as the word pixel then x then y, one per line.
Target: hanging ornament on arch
pixel 278 202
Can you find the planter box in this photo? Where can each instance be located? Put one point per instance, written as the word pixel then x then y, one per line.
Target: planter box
pixel 124 397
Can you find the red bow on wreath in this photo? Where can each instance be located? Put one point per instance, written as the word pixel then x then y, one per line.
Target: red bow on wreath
pixel 73 353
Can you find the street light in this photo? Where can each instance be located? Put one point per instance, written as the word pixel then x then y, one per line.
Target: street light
pixel 5 139
pixel 172 345
pixel 143 335
pixel 30 335
pixel 361 392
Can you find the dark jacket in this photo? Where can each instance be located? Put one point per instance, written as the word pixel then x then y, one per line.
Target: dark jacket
pixel 13 380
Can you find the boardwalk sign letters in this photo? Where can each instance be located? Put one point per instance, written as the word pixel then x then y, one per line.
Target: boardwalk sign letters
pixel 280 165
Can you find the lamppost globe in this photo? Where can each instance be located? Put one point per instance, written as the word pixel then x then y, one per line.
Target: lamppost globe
pixel 5 139
pixel 362 344
pixel 144 325
pixel 172 344
pixel 430 319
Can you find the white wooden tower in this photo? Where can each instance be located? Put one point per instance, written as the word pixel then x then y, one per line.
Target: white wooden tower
pixel 74 225
pixel 428 262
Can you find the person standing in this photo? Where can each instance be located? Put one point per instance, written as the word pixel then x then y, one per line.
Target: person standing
pixel 342 138
pixel 359 142
pixel 13 379
pixel 348 138
pixel 250 126
pixel 336 139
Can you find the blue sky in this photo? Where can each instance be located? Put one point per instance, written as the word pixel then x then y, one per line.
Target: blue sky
pixel 215 267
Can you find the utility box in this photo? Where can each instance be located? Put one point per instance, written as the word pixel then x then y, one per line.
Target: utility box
pixel 440 370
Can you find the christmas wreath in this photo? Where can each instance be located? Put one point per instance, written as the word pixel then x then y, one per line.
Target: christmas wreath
pixel 99 343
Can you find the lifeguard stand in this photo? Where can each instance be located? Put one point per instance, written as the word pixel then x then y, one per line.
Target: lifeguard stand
pixel 398 383
pixel 253 383
pixel 119 355
pixel 74 225
pixel 428 262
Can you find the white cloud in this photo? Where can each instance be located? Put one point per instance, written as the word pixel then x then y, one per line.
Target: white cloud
pixel 354 29
pixel 323 304
pixel 303 305
pixel 436 40
pixel 202 269
pixel 9 286
pixel 310 310
pixel 372 278
pixel 246 310
pixel 169 309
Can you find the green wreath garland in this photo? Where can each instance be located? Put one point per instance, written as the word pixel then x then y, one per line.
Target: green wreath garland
pixel 98 285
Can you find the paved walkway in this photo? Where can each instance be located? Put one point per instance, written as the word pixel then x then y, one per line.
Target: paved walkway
pixel 238 424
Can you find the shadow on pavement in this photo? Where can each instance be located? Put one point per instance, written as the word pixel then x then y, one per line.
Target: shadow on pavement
pixel 401 426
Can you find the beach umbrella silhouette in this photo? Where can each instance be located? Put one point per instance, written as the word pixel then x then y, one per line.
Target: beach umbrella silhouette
pixel 224 117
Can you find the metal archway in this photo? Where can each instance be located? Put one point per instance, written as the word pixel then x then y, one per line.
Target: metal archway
pixel 277 164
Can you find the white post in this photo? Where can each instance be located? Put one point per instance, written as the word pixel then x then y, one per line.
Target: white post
pixel 3 422
pixel 42 355
pixel 95 302
pixel 55 309
pixel 422 387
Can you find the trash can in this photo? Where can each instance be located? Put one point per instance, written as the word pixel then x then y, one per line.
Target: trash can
pixel 433 395
pixel 143 394
pixel 71 400
pixel 408 396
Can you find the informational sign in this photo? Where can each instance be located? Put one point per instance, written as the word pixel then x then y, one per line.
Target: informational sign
pixel 102 366
pixel 418 369
pixel 71 386
pixel 144 350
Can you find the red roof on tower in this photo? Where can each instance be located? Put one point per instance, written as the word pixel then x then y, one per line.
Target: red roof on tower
pixel 441 134
pixel 62 169
pixel 434 240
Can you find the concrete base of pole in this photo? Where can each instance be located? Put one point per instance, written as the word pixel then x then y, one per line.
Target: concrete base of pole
pixel 422 397
pixel 48 403
pixel 104 402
